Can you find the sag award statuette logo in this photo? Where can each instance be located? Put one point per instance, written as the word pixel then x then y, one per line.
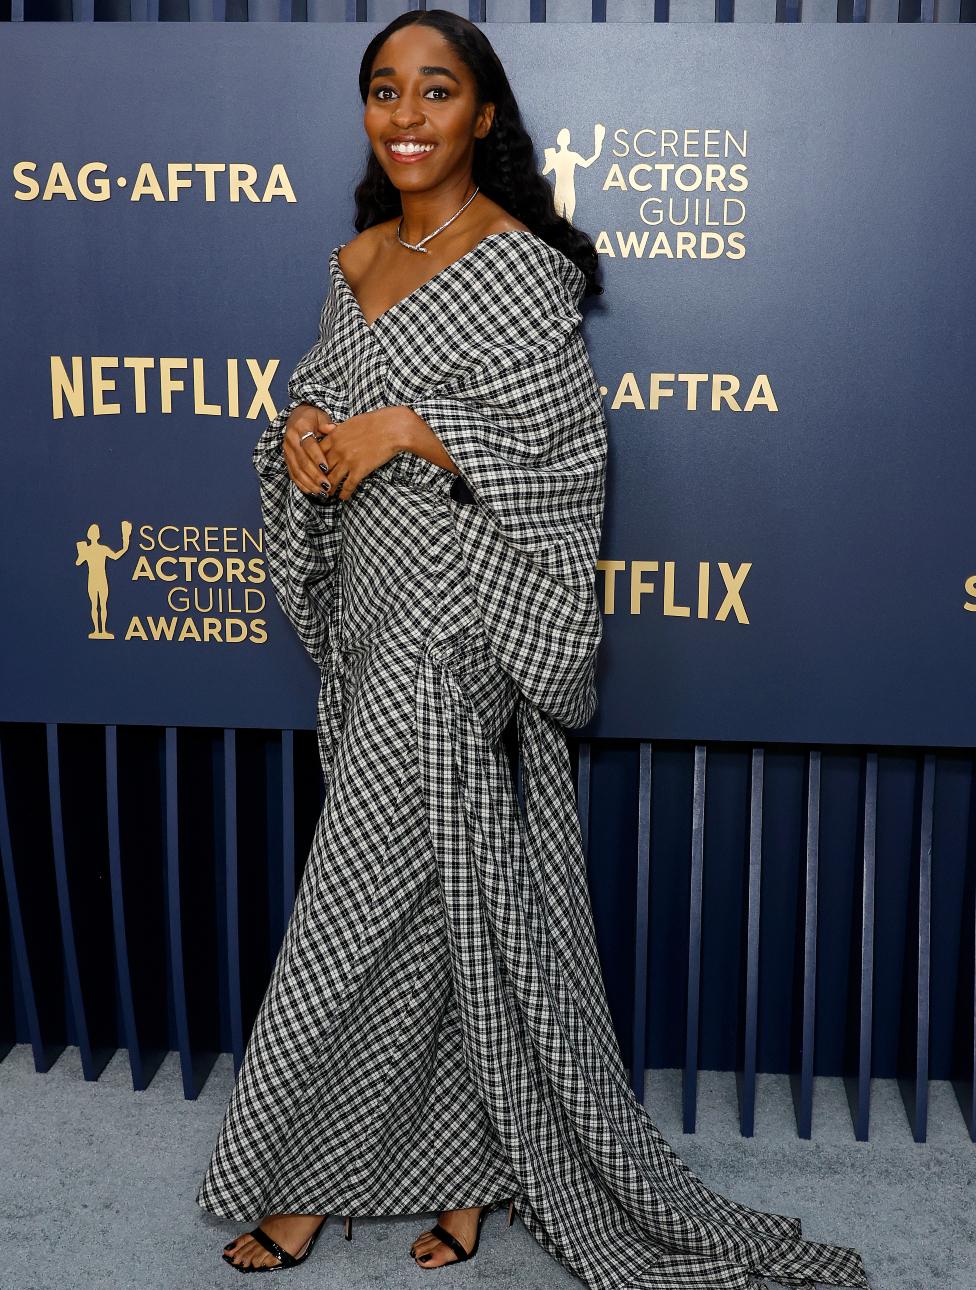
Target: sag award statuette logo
pixel 562 161
pixel 95 553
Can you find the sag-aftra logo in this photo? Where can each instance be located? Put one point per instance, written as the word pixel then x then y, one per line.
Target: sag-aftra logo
pixel 207 181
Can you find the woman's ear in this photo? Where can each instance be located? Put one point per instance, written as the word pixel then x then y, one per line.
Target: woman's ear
pixel 486 116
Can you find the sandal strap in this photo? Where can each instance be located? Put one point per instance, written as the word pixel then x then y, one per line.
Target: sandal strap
pixel 261 1236
pixel 452 1242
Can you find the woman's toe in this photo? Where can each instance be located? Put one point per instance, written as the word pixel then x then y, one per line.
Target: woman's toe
pixel 241 1255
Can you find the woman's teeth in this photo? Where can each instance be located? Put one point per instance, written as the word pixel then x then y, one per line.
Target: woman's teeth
pixel 409 149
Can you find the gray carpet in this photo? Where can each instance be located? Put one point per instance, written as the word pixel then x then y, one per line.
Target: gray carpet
pixel 98 1187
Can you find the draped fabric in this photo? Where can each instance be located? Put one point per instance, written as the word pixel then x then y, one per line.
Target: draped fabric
pixel 436 1032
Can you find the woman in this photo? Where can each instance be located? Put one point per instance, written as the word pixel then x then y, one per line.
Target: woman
pixel 435 1034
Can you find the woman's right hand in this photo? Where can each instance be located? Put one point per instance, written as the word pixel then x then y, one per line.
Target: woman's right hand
pixel 303 456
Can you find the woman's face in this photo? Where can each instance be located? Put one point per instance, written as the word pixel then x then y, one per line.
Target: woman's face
pixel 420 90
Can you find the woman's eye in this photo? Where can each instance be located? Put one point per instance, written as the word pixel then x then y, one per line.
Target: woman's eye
pixel 438 89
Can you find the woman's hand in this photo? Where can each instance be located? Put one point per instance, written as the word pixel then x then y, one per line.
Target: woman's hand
pixel 303 456
pixel 359 446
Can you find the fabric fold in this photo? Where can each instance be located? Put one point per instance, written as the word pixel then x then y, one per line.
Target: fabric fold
pixel 535 468
pixel 601 1189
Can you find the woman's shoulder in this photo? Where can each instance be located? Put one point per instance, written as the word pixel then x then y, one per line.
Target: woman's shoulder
pixel 355 255
pixel 505 242
pixel 499 221
pixel 536 261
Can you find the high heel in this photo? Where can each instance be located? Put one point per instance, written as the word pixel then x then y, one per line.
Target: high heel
pixel 286 1260
pixel 348 1231
pixel 461 1255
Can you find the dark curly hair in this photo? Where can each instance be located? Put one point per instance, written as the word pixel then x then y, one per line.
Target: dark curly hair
pixel 504 166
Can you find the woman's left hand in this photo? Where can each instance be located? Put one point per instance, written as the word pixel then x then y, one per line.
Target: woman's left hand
pixel 359 445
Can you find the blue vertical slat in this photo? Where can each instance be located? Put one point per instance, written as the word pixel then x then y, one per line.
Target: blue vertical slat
pixel 965 1085
pixel 287 824
pixel 82 10
pixel 747 1091
pixel 925 940
pixel 122 966
pixel 21 958
pixel 861 1105
pixel 803 1087
pixel 583 762
pixel 68 942
pixel 269 10
pixel 172 817
pixel 689 1088
pixel 969 1109
pixel 642 897
pixel 915 1087
pixel 16 10
pixel 232 904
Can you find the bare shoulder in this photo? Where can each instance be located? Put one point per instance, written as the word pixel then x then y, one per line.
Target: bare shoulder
pixel 498 220
pixel 358 253
pixel 509 225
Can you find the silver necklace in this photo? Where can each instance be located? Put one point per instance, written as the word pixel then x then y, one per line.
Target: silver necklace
pixel 419 246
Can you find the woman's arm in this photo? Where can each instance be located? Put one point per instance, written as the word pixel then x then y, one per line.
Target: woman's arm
pixel 411 433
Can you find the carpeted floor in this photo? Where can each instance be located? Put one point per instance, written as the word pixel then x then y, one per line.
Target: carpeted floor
pixel 98 1187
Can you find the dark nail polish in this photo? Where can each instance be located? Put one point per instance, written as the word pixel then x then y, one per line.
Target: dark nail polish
pixel 424 1257
pixel 323 466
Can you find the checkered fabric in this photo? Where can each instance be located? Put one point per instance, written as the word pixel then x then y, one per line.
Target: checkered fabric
pixel 436 1032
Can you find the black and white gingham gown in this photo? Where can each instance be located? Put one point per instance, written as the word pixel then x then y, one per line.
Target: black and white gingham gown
pixel 435 1033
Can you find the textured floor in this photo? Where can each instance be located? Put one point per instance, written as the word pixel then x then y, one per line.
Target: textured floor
pixel 97 1186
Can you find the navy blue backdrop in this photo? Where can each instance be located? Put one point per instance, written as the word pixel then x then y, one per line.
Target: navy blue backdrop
pixel 789 548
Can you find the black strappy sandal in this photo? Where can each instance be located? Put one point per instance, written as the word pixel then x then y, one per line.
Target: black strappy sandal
pixel 452 1243
pixel 286 1260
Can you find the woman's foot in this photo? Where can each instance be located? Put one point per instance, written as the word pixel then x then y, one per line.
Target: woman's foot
pixel 429 1252
pixel 291 1231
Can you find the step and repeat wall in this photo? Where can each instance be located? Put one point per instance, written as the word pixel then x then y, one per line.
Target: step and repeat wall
pixel 784 216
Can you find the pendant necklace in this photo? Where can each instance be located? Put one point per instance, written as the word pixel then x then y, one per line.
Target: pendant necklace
pixel 419 246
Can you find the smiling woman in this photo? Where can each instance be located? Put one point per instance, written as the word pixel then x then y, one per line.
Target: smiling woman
pixel 436 1035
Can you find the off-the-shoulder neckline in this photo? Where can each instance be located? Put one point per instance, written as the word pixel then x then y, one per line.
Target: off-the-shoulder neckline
pixel 505 232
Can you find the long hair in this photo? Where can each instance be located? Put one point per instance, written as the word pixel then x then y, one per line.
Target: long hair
pixel 504 165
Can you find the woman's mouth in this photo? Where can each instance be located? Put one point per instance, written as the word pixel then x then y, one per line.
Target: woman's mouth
pixel 408 153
